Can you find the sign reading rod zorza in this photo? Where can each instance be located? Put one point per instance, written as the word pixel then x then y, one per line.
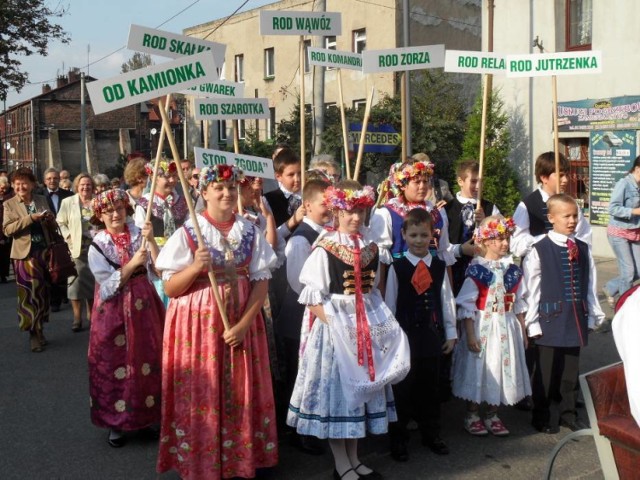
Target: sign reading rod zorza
pixel 565 63
pixel 250 165
pixel 231 108
pixel 323 57
pixel 152 82
pixel 278 22
pixel 398 59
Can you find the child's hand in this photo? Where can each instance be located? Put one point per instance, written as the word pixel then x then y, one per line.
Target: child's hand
pixel 202 259
pixel 147 231
pixel 235 335
pixel 260 205
pixel 441 204
pixel 472 344
pixel 467 248
pixel 140 257
pixel 447 347
pixel 299 215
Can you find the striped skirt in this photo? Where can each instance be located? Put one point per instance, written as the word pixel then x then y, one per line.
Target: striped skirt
pixel 33 290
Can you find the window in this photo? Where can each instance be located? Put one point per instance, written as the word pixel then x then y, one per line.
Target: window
pixel 330 43
pixel 307 45
pixel 271 123
pixel 269 63
pixel 222 131
pixel 242 132
pixel 360 103
pixel 239 68
pixel 359 40
pixel 578 24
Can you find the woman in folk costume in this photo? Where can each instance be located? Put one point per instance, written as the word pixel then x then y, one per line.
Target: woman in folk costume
pixel 125 345
pixel 355 348
pixel 218 413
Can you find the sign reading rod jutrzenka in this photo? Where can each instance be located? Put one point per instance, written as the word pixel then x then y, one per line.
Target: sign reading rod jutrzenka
pixel 250 165
pixel 547 64
pixel 399 59
pixel 279 22
pixel 231 108
pixel 152 82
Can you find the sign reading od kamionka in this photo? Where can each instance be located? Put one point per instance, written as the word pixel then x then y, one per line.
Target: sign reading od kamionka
pixel 220 88
pixel 547 64
pixel 250 165
pixel 323 57
pixel 152 82
pixel 231 108
pixel 278 22
pixel 474 62
pixel 172 45
pixel 398 59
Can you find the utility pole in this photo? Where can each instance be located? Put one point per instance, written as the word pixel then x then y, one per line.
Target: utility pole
pixel 318 88
pixel 407 77
pixel 83 131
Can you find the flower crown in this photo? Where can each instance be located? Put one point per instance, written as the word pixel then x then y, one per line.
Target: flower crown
pixel 346 199
pixel 105 200
pixel 499 228
pixel 164 166
pixel 401 173
pixel 219 173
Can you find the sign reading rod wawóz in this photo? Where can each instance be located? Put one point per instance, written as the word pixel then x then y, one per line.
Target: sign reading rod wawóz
pixel 398 59
pixel 253 166
pixel 474 62
pixel 547 64
pixel 219 88
pixel 278 22
pixel 172 45
pixel 152 82
pixel 231 108
pixel 323 57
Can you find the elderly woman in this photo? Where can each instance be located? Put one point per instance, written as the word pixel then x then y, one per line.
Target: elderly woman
pixel 101 182
pixel 5 242
pixel 136 176
pixel 29 223
pixel 73 218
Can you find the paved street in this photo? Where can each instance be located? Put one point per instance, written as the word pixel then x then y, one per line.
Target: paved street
pixel 46 432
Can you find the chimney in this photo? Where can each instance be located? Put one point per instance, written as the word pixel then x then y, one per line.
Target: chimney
pixel 74 75
pixel 46 88
pixel 61 81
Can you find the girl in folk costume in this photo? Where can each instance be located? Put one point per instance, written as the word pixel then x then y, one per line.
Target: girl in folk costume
pixel 355 349
pixel 125 346
pixel 218 413
pixel 489 362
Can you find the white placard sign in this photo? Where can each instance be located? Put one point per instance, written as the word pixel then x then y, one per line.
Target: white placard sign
pixel 280 22
pixel 172 45
pixel 219 88
pixel 250 165
pixel 547 64
pixel 151 82
pixel 231 108
pixel 399 59
pixel 335 59
pixel 474 62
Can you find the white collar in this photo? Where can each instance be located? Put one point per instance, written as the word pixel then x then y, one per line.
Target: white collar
pixel 464 200
pixel 287 193
pixel 414 259
pixel 317 228
pixel 559 238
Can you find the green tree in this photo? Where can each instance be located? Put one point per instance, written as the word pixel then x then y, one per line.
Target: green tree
pixel 26 29
pixel 500 181
pixel 137 61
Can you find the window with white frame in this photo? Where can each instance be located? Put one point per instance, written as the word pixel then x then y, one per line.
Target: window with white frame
pixel 360 103
pixel 579 15
pixel 239 68
pixel 222 131
pixel 271 123
pixel 269 62
pixel 330 43
pixel 307 45
pixel 242 132
pixel 359 40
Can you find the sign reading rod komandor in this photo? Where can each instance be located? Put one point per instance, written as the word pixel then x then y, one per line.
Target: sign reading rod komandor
pixel 547 64
pixel 152 82
pixel 323 57
pixel 474 62
pixel 398 59
pixel 250 165
pixel 278 22
pixel 231 108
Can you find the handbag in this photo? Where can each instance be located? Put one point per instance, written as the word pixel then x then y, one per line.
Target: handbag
pixel 61 265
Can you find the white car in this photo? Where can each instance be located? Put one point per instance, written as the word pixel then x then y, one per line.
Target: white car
pixel 612 139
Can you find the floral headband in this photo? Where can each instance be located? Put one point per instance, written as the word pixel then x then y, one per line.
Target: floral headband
pixel 499 228
pixel 401 173
pixel 164 167
pixel 346 199
pixel 107 199
pixel 219 173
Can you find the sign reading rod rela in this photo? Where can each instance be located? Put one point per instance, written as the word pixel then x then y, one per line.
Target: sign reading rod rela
pixel 278 22
pixel 172 45
pixel 398 59
pixel 546 64
pixel 474 62
pixel 152 82
pixel 253 166
pixel 323 57
pixel 231 108
pixel 219 88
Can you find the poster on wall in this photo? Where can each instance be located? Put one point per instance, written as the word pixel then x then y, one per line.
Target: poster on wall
pixel 611 154
pixel 599 114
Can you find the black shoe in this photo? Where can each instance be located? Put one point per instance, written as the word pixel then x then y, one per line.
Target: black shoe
pixel 546 428
pixel 307 444
pixel 337 476
pixel 372 475
pixel 436 445
pixel 116 440
pixel 399 451
pixel 526 404
pixel 574 425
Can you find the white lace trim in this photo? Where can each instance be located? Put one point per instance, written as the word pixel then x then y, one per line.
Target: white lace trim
pixel 308 296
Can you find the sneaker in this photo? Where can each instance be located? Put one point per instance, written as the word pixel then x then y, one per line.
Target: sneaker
pixel 474 426
pixel 610 300
pixel 496 427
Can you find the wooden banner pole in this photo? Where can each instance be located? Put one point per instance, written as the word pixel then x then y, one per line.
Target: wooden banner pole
pixel 556 139
pixel 365 122
pixel 303 133
pixel 154 178
pixel 236 149
pixel 403 116
pixel 343 119
pixel 486 94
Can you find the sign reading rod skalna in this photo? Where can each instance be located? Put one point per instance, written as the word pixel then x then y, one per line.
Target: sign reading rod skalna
pixel 323 57
pixel 231 108
pixel 172 45
pixel 565 63
pixel 152 82
pixel 461 61
pixel 250 165
pixel 397 59
pixel 278 22
pixel 219 88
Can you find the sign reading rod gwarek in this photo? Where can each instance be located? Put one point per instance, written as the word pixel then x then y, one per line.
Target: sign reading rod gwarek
pixel 250 165
pixel 219 88
pixel 474 62
pixel 231 108
pixel 547 64
pixel 152 82
pixel 398 59
pixel 279 22
pixel 323 57
pixel 172 45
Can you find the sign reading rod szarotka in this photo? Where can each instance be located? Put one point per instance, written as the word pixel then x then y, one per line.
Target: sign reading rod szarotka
pixel 547 64
pixel 231 108
pixel 278 22
pixel 398 59
pixel 250 165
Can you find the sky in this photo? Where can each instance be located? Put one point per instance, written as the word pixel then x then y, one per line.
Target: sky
pixel 103 26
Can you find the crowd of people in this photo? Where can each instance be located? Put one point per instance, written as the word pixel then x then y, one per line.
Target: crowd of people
pixel 320 313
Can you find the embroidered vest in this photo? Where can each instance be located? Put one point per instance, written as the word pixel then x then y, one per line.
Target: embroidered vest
pixel 537 210
pixel 279 205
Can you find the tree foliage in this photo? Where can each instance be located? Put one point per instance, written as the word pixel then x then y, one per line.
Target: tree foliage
pixel 137 61
pixel 25 29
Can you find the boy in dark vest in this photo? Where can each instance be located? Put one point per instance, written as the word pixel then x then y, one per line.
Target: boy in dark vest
pixel 419 293
pixel 563 308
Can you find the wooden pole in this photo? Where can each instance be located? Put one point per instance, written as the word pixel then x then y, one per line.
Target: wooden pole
pixel 556 139
pixel 343 118
pixel 403 116
pixel 303 133
pixel 154 178
pixel 365 122
pixel 192 213
pixel 205 126
pixel 236 149
pixel 483 133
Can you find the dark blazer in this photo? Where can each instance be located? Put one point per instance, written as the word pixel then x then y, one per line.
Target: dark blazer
pixel 62 194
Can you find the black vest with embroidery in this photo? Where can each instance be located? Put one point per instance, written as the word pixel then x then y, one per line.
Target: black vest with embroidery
pixel 454 213
pixel 341 267
pixel 279 205
pixel 537 210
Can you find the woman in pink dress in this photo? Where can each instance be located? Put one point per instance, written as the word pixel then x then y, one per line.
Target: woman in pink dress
pixel 218 415
pixel 125 346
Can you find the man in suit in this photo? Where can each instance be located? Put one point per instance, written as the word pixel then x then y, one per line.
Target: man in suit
pixel 54 195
